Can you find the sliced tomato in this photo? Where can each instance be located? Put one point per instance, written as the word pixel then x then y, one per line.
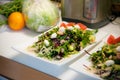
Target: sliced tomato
pixel 70 24
pixel 82 26
pixel 117 40
pixel 63 25
pixel 111 39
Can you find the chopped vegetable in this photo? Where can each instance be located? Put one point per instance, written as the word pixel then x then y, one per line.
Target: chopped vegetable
pixel 63 25
pixel 112 40
pixel 70 24
pixel 82 26
pixel 71 47
pixel 117 40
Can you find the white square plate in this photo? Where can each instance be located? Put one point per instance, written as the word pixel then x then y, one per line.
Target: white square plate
pixel 83 64
pixel 23 49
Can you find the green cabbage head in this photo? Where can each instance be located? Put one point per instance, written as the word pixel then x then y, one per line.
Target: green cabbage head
pixel 40 15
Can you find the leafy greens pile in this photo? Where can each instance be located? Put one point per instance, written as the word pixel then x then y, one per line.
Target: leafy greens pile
pixel 9 7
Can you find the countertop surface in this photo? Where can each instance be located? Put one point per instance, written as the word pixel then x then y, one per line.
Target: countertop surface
pixel 12 70
pixel 9 38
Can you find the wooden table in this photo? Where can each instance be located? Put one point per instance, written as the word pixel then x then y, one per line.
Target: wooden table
pixel 16 71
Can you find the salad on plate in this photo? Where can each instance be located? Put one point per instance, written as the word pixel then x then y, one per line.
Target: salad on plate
pixel 106 61
pixel 63 41
pixel 102 62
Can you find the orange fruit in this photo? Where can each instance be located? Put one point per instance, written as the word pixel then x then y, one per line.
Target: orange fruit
pixel 16 21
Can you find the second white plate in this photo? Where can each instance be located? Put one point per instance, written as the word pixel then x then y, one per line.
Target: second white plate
pixel 84 64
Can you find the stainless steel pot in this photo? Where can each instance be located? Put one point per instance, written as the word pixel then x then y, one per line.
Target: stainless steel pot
pixel 89 11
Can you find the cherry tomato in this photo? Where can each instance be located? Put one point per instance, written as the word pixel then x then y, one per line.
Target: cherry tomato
pixel 111 39
pixel 82 26
pixel 117 40
pixel 70 24
pixel 63 25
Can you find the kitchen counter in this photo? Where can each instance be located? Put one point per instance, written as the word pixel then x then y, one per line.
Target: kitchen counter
pixel 11 70
pixel 10 38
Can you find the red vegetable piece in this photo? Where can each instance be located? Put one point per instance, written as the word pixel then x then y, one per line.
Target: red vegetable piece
pixel 63 25
pixel 117 40
pixel 70 24
pixel 82 26
pixel 111 39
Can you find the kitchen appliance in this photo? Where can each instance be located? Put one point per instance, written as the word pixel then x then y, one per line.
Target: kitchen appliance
pixel 93 13
pixel 116 7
